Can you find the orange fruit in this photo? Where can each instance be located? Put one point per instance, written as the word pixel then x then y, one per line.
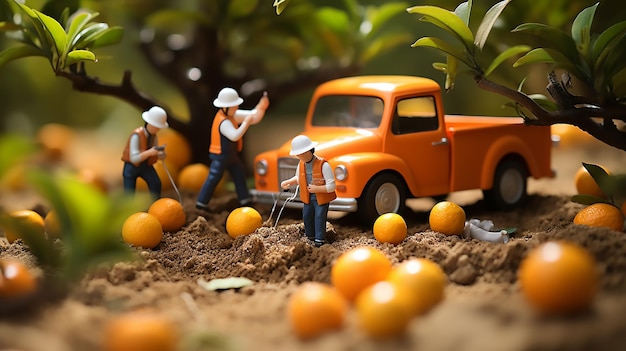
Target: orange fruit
pixel 390 228
pixel 169 212
pixel 425 279
pixel 193 176
pixel 585 184
pixel 142 229
pixel 384 309
pixel 55 140
pixel 316 308
pixel 601 215
pixel 447 217
pixel 357 269
pixel 559 277
pixel 24 221
pixel 15 279
pixel 52 226
pixel 243 221
pixel 140 331
pixel 570 136
pixel 177 148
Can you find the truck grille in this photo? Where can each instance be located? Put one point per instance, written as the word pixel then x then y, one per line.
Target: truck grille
pixel 287 169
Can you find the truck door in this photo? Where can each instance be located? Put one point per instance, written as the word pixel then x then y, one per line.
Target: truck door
pixel 418 136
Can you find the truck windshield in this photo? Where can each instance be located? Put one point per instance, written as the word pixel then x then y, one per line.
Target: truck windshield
pixel 348 111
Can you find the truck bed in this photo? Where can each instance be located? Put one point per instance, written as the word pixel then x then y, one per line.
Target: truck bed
pixel 472 140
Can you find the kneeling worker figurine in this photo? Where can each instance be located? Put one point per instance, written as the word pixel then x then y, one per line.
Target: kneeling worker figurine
pixel 317 187
pixel 142 152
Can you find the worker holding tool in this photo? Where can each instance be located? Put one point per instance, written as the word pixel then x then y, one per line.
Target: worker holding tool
pixel 229 126
pixel 316 180
pixel 142 151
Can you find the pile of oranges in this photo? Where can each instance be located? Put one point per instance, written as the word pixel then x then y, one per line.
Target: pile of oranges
pixel 386 298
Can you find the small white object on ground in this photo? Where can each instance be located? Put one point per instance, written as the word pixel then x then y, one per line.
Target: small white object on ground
pixel 484 230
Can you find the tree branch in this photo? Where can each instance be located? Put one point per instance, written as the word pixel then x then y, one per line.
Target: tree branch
pixel 125 91
pixel 583 117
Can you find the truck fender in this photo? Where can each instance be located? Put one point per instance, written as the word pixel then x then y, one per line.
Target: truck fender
pixel 504 146
pixel 362 167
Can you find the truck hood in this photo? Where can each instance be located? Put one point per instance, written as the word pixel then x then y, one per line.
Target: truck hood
pixel 334 143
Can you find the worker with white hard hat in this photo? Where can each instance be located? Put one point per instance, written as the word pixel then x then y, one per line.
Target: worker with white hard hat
pixel 317 187
pixel 229 126
pixel 142 152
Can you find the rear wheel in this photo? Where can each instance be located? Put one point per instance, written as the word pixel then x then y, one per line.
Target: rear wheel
pixel 383 194
pixel 509 185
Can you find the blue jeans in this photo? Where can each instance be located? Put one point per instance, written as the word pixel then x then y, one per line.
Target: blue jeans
pixel 145 171
pixel 237 171
pixel 314 216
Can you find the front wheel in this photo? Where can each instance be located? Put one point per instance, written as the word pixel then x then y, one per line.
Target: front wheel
pixel 383 194
pixel 509 185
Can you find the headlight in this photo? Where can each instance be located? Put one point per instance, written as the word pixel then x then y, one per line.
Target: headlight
pixel 341 173
pixel 261 167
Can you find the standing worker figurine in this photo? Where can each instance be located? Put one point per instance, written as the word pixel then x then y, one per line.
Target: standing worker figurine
pixel 142 152
pixel 229 126
pixel 317 188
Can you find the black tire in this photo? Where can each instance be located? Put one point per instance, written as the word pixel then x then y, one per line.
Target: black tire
pixel 384 193
pixel 510 183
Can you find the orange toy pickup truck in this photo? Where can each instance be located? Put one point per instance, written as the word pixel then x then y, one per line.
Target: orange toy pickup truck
pixel 387 139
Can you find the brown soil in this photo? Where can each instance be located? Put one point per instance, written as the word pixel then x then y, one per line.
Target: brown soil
pixel 482 309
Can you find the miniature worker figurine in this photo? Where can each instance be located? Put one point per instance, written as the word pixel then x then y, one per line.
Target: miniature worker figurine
pixel 317 188
pixel 229 126
pixel 142 152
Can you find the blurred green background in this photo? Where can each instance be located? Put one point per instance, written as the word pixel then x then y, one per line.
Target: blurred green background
pixel 32 95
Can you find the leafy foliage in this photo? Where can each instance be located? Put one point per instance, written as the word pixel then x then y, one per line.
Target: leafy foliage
pixel 90 221
pixel 44 36
pixel 597 60
pixel 469 46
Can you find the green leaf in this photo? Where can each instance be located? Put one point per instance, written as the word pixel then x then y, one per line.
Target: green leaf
pixel 109 36
pixel 607 39
pixel 553 38
pixel 42 35
pixel 602 178
pixel 505 55
pixel 382 44
pixel 549 56
pixel 452 63
pixel 78 56
pixel 77 24
pixel 56 31
pixel 225 283
pixel 488 22
pixel 280 5
pixel 464 11
pixel 86 36
pixel 18 52
pixel 581 28
pixel 446 20
pixel 544 102
pixel 331 18
pixel 169 17
pixel 441 45
pixel 383 15
pixel 585 199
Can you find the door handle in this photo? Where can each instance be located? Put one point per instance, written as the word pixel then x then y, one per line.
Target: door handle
pixel 442 141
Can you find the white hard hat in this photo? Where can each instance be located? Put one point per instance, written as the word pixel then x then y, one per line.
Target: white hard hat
pixel 227 97
pixel 156 116
pixel 301 144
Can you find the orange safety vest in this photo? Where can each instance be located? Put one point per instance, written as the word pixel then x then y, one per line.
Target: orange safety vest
pixel 318 179
pixel 216 136
pixel 143 146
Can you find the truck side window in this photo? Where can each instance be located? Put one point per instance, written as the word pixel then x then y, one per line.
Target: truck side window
pixel 415 115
